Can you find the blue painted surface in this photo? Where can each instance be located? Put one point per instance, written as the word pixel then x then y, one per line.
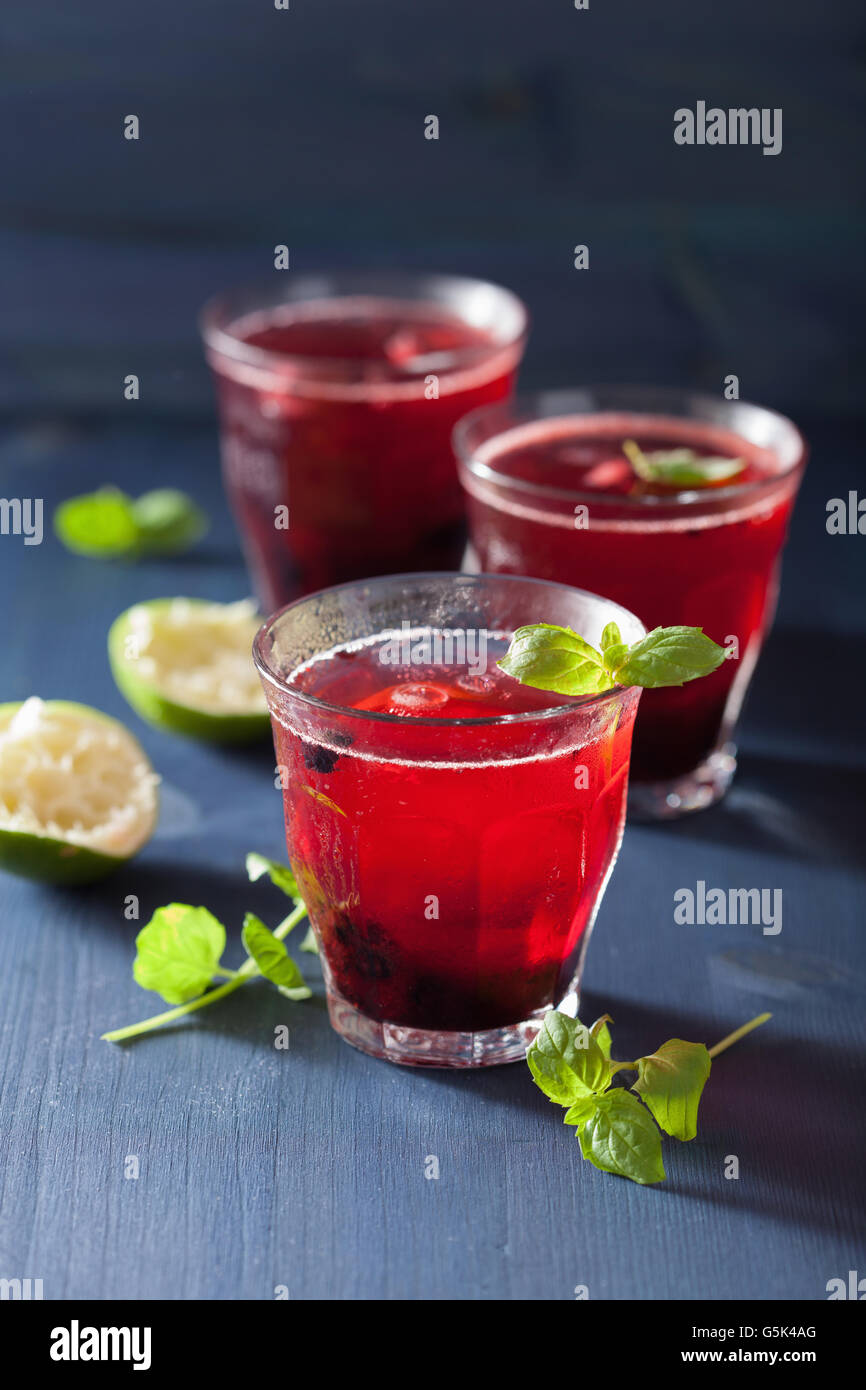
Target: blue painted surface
pixel 306 1169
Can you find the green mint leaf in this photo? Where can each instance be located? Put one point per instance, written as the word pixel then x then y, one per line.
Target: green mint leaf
pixel 620 1137
pixel 178 952
pixel 279 874
pixel 601 1033
pixel 309 943
pixel 611 637
pixel 617 1133
pixel 579 1113
pixel 614 657
pixel 168 521
pixel 555 658
pixel 272 958
pixel 98 524
pixel 670 1082
pixel 566 1062
pixel 237 978
pixel 548 657
pixel 680 467
pixel 108 524
pixel 669 656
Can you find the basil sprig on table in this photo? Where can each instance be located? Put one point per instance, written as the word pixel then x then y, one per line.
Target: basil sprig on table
pixel 179 954
pixel 680 467
pixel 618 1128
pixel 554 658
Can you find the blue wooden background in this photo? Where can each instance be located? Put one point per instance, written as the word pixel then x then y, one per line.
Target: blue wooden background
pixel 306 1169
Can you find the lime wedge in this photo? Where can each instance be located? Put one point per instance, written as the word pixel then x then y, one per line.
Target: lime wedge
pixel 77 793
pixel 186 665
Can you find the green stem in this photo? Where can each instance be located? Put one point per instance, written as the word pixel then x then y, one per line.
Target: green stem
pixel 713 1051
pixel 238 978
pixel 638 459
pixel 291 921
pixel 148 1025
pixel 738 1033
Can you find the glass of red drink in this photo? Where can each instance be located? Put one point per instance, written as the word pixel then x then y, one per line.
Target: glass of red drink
pixel 337 398
pixel 452 830
pixel 551 493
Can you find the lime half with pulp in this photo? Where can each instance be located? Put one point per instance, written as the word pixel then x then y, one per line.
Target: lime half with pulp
pixel 186 665
pixel 78 795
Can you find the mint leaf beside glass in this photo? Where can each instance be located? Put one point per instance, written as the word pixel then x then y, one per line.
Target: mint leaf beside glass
pixel 671 1081
pixel 179 954
pixel 619 1137
pixel 566 1060
pixel 280 874
pixel 617 1127
pixel 272 958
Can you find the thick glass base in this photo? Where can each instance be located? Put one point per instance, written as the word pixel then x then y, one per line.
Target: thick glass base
pixel 649 801
pixel 422 1047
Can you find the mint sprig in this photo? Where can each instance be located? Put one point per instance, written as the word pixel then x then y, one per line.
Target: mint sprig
pixel 280 875
pixel 548 657
pixel 555 658
pixel 108 524
pixel 567 1061
pixel 680 467
pixel 619 1137
pixel 618 1128
pixel 179 954
pixel 671 1082
pixel 272 958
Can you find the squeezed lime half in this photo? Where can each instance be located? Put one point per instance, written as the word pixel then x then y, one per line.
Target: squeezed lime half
pixel 186 665
pixel 78 794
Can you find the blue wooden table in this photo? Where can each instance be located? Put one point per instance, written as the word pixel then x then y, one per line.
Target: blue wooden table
pixel 304 1169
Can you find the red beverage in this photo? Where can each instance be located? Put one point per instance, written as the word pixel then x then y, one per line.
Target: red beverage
pixel 451 830
pixel 337 405
pixel 556 497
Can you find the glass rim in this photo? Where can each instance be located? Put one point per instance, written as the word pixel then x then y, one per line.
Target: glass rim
pixel 347 284
pixel 281 684
pixel 526 410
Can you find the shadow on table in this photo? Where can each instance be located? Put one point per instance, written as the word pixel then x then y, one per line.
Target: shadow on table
pixel 809 811
pixel 797 801
pixel 252 1014
pixel 226 892
pixel 212 555
pixel 786 1107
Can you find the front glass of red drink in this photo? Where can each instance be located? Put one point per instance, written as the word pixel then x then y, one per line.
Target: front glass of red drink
pixel 552 493
pixel 452 831
pixel 337 398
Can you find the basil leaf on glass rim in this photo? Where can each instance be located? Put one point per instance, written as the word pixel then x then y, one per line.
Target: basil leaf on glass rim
pixel 680 467
pixel 554 658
